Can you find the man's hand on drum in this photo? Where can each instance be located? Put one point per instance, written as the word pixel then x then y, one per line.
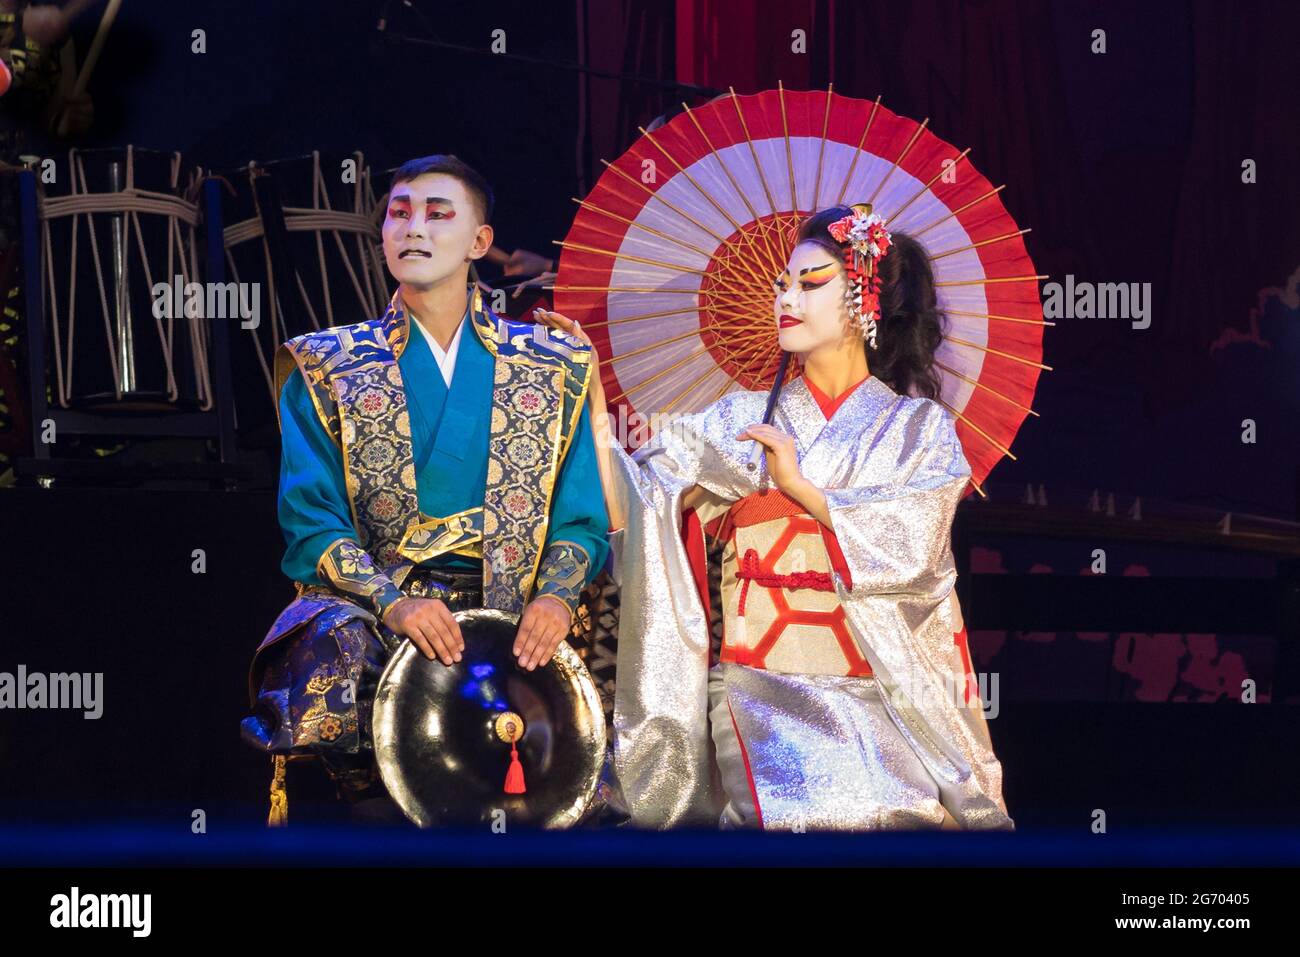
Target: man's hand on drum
pixel 543 625
pixel 429 625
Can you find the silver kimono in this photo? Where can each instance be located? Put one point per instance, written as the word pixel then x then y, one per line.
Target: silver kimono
pixel 900 749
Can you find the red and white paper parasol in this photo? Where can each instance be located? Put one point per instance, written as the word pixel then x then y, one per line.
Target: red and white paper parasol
pixel 670 261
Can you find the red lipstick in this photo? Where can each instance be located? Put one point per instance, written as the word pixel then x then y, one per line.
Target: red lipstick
pixel 787 320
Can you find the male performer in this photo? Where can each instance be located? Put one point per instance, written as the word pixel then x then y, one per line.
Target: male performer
pixel 435 459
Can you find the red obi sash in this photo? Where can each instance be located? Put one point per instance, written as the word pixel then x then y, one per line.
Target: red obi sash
pixel 769 504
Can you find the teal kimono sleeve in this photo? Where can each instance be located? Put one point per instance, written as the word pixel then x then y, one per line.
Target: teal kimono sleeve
pixel 315 516
pixel 576 539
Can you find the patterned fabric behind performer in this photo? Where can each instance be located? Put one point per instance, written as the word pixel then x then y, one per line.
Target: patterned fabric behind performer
pixel 463 474
pixel 842 697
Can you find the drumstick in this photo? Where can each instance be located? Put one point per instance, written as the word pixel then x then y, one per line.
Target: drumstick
pixel 97 44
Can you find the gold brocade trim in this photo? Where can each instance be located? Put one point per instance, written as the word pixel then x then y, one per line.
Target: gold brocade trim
pixel 323 355
pixel 576 415
pixel 357 391
pixel 483 327
pixel 395 324
pixel 555 343
pixel 563 574
pixel 524 443
pixel 574 357
pixel 286 363
pixel 350 569
pixel 570 350
pixel 320 563
pixel 279 815
pixel 566 440
pixel 378 455
pixel 460 534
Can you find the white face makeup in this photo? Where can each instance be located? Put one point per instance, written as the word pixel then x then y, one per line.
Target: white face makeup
pixel 430 229
pixel 809 303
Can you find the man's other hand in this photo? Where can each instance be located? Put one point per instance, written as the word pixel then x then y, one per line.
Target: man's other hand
pixel 543 625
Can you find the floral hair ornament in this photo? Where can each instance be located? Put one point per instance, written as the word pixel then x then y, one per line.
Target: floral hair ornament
pixel 867 240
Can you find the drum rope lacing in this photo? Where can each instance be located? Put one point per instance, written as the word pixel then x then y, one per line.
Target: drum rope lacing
pixel 367 281
pixel 183 217
pixel 130 202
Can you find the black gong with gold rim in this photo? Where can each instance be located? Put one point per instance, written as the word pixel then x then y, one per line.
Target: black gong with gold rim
pixel 443 735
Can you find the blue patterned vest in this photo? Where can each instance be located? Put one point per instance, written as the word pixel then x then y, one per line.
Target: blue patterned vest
pixel 540 384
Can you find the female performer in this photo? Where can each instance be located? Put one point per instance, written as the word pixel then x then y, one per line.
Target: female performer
pixel 842 696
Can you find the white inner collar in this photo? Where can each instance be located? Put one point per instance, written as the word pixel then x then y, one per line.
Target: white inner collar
pixel 446 359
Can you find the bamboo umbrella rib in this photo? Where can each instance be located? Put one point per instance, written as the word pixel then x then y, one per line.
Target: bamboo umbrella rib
pixel 717 304
pixel 982 242
pixel 759 290
pixel 749 351
pixel 993 279
pixel 728 382
pixel 959 210
pixel 565 287
pixel 730 295
pixel 986 388
pixel 789 158
pixel 756 356
pixel 988 438
pixel 658 343
pixel 986 315
pixel 762 177
pixel 728 264
pixel 650 192
pixel 714 298
pixel 901 156
pixel 998 352
pixel 751 333
pixel 772 255
pixel 699 189
pixel 674 267
pixel 821 153
pixel 921 192
pixel 690 179
pixel 739 323
pixel 848 177
pixel 747 292
pixel 594 323
pixel 663 372
pixel 695 354
pixel 775 252
pixel 753 213
pixel 588 204
pixel 698 383
pixel 979 488
pixel 726 387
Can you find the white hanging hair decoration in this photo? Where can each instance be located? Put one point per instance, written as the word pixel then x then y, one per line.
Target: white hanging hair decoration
pixel 868 241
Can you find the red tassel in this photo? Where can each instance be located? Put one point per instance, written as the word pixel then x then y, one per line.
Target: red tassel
pixel 515 776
